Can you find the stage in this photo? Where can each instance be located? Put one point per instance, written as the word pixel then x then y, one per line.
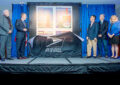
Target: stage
pixel 61 65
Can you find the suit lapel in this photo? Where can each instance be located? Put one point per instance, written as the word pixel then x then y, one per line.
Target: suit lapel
pixel 92 25
pixel 103 24
pixel 23 23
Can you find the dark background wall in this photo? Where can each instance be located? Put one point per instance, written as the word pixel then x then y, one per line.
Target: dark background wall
pixel 32 20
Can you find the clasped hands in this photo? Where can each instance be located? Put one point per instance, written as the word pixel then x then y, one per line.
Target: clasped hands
pixel 110 35
pixel 10 31
pixel 25 29
pixel 99 35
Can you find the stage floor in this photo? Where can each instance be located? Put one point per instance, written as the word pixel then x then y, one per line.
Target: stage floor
pixel 61 65
pixel 65 61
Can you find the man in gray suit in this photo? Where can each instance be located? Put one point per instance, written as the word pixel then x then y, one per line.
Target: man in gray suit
pixel 5 35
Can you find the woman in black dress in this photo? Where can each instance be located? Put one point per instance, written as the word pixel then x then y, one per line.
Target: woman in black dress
pixel 113 34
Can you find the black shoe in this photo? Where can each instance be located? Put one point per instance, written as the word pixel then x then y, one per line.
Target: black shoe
pixel 88 56
pixel 99 56
pixel 9 58
pixel 106 56
pixel 2 59
pixel 20 58
pixel 24 57
pixel 95 56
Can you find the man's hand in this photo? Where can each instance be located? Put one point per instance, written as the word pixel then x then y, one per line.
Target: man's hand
pixel 87 38
pixel 95 39
pixel 25 29
pixel 99 35
pixel 9 32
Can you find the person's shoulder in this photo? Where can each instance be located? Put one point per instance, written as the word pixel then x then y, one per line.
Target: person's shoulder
pixel 88 25
pixel 2 16
pixel 119 22
pixel 96 23
pixel 106 21
pixel 18 20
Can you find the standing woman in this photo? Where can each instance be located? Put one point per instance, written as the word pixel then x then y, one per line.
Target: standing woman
pixel 114 35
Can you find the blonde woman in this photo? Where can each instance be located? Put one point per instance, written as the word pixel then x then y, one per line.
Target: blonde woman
pixel 114 35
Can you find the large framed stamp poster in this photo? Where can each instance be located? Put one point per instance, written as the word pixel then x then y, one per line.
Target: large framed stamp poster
pixel 53 20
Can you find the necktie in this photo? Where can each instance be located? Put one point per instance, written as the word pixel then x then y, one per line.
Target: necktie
pixel 111 26
pixel 9 21
pixel 101 22
pixel 24 23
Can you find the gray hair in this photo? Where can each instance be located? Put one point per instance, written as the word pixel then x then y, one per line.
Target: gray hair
pixel 5 11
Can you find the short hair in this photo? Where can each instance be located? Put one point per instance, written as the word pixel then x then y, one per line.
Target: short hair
pixel 102 14
pixel 23 14
pixel 93 16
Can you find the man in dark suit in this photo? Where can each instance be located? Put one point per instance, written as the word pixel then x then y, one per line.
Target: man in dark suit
pixel 5 35
pixel 92 37
pixel 102 36
pixel 21 36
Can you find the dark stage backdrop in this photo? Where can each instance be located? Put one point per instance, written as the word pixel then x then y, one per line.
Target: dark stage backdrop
pixel 75 12
pixel 85 11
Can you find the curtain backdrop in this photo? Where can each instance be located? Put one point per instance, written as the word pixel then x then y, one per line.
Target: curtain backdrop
pixel 87 11
pixel 17 9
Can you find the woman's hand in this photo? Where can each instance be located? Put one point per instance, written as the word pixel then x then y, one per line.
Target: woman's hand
pixel 111 35
pixel 108 34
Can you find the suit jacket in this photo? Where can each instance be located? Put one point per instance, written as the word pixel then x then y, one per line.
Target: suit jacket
pixel 4 25
pixel 92 31
pixel 103 28
pixel 20 26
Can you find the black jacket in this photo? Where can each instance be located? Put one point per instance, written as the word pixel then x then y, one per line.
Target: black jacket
pixel 103 28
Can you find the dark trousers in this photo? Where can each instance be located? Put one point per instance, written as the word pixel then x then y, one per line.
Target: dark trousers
pixel 20 45
pixel 102 43
pixel 5 43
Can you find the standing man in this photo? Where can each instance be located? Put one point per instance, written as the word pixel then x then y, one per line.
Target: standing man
pixel 5 35
pixel 21 36
pixel 92 37
pixel 102 36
